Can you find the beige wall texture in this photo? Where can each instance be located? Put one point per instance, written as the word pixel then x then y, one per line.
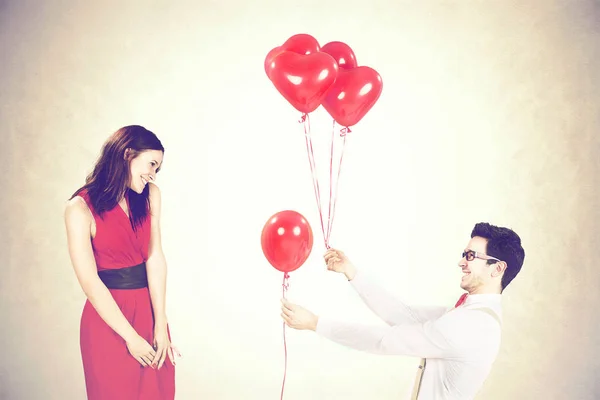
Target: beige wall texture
pixel 489 112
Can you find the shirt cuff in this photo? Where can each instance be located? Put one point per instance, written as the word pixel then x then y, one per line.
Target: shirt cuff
pixel 358 280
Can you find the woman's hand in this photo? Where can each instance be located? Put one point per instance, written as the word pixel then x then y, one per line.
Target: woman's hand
pixel 164 347
pixel 141 350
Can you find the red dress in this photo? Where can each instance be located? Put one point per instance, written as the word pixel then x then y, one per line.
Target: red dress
pixel 111 373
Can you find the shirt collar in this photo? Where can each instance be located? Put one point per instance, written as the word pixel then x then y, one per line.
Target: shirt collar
pixel 474 299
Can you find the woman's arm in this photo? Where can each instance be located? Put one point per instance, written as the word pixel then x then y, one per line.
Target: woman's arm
pixel 78 222
pixel 156 265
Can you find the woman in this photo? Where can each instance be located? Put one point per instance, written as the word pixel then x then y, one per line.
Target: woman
pixel 113 232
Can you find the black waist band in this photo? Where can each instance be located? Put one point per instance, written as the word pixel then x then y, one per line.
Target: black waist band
pixel 125 278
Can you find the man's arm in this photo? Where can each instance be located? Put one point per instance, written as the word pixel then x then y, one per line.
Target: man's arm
pixel 388 307
pixel 383 304
pixel 450 336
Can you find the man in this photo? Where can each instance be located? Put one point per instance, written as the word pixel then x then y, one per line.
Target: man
pixel 458 346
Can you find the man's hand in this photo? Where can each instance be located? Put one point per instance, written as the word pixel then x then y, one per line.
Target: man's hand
pixel 337 261
pixel 297 317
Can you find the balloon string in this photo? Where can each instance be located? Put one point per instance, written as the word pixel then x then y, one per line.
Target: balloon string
pixel 329 222
pixel 311 161
pixel 285 287
pixel 333 197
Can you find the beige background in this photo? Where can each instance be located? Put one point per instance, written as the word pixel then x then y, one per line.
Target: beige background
pixel 489 113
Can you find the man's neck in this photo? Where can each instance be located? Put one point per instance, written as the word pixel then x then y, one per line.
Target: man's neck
pixel 486 290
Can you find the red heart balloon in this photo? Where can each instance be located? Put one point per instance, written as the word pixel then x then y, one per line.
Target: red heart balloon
pixel 354 93
pixel 303 80
pixel 301 43
pixel 270 56
pixel 286 240
pixel 341 53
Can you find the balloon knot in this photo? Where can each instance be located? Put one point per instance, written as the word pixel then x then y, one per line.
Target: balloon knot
pixel 285 284
pixel 303 118
pixel 345 131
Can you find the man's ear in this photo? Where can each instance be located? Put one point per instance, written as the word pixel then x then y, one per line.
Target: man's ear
pixel 499 268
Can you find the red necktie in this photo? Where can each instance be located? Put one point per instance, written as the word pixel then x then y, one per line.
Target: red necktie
pixel 461 300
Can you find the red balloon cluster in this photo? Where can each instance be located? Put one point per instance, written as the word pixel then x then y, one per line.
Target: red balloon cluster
pixel 308 75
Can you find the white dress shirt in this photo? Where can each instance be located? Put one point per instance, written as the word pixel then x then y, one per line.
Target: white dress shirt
pixel 460 344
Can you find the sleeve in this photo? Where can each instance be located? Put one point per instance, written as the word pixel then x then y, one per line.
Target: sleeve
pixel 446 337
pixel 388 307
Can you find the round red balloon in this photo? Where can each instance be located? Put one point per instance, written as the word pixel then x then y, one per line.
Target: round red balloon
pixel 301 43
pixel 353 94
pixel 341 53
pixel 303 80
pixel 287 240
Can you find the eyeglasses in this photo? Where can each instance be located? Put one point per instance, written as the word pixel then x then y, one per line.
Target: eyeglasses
pixel 470 255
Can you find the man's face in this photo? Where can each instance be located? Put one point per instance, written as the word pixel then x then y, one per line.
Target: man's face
pixel 477 273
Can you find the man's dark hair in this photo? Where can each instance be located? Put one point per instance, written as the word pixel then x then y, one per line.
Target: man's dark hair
pixel 503 244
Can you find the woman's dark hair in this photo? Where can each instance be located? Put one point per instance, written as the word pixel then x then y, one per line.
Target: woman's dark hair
pixel 503 244
pixel 109 181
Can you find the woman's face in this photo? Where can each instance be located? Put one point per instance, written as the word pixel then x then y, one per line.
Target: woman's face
pixel 143 169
